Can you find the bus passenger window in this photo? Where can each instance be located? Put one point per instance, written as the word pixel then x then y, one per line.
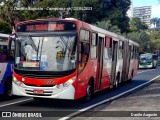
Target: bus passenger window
pixel 93 52
pixel 109 52
pixel 106 53
pixel 83 55
pixel 120 55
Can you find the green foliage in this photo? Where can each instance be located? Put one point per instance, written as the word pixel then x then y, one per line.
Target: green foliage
pixel 136 24
pixel 142 38
pixel 118 14
pixel 155 21
pixel 111 10
pixel 155 38
pixel 4 27
pixel 106 24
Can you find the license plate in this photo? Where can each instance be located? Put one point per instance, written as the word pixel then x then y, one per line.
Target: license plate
pixel 38 91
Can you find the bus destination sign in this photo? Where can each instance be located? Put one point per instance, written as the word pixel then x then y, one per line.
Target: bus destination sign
pixel 46 26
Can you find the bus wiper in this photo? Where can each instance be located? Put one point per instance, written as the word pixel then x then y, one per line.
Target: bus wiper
pixel 64 42
pixel 33 44
pixel 38 49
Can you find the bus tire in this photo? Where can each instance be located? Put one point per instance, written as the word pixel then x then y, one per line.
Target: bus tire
pixel 89 90
pixel 153 65
pixel 8 87
pixel 131 76
pixel 116 83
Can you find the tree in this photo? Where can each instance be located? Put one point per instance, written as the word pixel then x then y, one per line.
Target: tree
pixel 155 21
pixel 117 15
pixel 136 24
pixel 8 14
pixel 112 10
pixel 155 38
pixel 143 39
pixel 106 24
pixel 4 27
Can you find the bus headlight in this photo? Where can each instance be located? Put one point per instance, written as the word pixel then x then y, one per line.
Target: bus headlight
pixel 69 82
pixel 17 82
pixel 66 84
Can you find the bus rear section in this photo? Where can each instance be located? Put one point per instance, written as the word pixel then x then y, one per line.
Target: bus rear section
pixel 6 63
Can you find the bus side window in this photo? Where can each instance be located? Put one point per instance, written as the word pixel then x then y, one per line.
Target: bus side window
pixel 83 55
pixel 94 46
pixel 11 50
pixel 155 57
pixel 109 46
pixel 120 56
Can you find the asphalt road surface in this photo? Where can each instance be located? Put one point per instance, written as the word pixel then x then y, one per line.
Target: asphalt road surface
pixel 141 105
pixel 59 109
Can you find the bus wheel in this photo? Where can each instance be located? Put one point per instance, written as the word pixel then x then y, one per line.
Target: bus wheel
pixel 116 83
pixel 131 76
pixel 8 88
pixel 89 91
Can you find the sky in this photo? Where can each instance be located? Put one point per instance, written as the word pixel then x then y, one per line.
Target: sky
pixel 154 3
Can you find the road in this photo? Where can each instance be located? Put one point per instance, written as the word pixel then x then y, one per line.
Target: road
pixel 141 105
pixel 62 108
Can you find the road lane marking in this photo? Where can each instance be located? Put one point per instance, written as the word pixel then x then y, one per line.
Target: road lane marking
pixel 145 71
pixel 16 102
pixel 107 100
pixel 145 96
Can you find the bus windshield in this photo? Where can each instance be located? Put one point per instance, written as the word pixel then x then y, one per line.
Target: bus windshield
pixel 142 58
pixel 47 53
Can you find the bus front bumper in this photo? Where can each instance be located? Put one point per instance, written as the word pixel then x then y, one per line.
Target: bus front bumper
pixel 46 92
pixel 145 66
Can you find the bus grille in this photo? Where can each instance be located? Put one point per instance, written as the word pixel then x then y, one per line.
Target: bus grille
pixel 39 86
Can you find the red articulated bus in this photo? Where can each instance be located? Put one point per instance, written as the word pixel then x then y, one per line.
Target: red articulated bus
pixel 69 59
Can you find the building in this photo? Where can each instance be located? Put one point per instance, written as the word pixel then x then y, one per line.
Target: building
pixel 144 13
pixel 129 13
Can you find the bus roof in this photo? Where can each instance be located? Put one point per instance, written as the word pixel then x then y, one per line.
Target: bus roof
pixel 147 54
pixel 94 28
pixel 2 36
pixel 3 39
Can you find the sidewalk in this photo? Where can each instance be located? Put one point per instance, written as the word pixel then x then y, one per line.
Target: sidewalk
pixel 147 100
